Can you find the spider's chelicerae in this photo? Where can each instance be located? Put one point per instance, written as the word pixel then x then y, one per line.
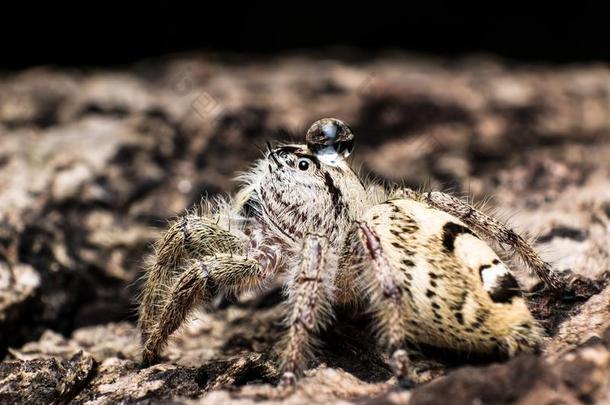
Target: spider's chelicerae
pixel 416 259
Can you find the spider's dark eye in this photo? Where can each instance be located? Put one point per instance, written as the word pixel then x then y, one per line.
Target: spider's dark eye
pixel 303 164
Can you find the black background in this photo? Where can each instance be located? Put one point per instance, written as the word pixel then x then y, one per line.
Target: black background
pixel 105 34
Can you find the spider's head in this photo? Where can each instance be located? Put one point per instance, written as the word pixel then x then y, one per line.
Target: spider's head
pixel 311 187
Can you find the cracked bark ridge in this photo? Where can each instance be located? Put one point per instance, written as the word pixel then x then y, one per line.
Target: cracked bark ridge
pixel 49 380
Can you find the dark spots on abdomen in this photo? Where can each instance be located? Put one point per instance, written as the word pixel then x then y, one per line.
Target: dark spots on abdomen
pixel 482 268
pixel 406 251
pixel 507 289
pixel 451 230
pixel 460 317
pixel 460 302
pixel 394 206
pixel 482 315
pixel 408 262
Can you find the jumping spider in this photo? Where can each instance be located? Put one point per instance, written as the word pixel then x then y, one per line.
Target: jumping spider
pixel 416 259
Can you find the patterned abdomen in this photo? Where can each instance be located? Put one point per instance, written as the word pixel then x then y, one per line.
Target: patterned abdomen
pixel 457 292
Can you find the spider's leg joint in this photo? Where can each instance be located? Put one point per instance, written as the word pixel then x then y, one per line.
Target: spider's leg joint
pixel 184 229
pixel 204 269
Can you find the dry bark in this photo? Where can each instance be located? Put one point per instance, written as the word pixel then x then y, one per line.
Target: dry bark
pixel 93 163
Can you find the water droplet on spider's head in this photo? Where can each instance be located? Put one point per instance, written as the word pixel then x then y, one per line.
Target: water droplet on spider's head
pixel 330 139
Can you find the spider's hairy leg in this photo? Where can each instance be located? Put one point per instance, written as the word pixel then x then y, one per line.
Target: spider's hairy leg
pixel 310 295
pixel 385 286
pixel 183 295
pixel 498 231
pixel 226 270
pixel 190 236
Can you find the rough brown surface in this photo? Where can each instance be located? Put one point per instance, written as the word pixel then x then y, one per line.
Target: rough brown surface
pixel 93 163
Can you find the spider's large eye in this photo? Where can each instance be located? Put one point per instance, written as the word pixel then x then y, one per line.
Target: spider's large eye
pixel 303 164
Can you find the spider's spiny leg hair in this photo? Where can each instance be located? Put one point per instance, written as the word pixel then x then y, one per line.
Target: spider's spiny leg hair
pixel 496 230
pixel 233 273
pixel 310 297
pixel 189 236
pixel 386 298
pixel 183 296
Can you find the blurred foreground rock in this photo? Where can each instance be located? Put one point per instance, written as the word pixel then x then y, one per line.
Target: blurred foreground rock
pixel 93 163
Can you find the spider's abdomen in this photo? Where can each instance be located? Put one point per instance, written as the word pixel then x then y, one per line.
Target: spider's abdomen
pixel 457 293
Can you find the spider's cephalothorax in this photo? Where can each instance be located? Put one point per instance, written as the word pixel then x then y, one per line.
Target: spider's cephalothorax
pixel 416 259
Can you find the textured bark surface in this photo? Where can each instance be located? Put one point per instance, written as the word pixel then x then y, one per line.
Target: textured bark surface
pixel 93 164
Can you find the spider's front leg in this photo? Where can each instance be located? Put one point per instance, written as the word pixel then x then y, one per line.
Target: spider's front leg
pixel 310 296
pixel 225 270
pixel 386 286
pixel 190 236
pixel 496 230
pixel 193 252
